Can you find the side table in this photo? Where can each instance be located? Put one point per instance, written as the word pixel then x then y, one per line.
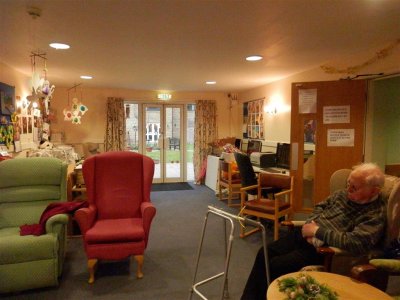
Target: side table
pixel 346 287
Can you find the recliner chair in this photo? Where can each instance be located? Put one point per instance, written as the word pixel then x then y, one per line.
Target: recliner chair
pixel 27 186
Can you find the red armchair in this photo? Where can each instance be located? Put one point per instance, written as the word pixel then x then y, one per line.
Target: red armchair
pixel 117 222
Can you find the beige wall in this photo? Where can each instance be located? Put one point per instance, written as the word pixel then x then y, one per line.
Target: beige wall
pixel 93 124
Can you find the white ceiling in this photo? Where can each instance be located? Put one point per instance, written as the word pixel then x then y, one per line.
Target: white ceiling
pixel 178 45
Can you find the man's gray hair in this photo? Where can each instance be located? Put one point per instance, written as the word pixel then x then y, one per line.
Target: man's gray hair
pixel 372 173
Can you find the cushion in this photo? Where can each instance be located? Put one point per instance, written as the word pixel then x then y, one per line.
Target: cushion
pixel 115 230
pixel 17 249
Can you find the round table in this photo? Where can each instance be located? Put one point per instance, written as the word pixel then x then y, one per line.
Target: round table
pixel 346 287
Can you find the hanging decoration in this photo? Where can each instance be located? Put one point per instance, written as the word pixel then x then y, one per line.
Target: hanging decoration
pixel 74 112
pixel 42 90
pixel 383 53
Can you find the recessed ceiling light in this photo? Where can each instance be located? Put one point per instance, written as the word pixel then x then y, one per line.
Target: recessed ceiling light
pixel 59 46
pixel 86 77
pixel 211 82
pixel 254 58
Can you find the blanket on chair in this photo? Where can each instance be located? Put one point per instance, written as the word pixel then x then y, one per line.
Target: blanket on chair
pixel 51 210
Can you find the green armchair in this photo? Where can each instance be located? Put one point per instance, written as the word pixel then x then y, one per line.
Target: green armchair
pixel 27 186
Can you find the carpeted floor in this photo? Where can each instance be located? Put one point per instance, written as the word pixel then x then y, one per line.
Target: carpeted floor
pixel 175 186
pixel 169 261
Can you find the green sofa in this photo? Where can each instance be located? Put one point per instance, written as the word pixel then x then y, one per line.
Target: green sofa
pixel 27 186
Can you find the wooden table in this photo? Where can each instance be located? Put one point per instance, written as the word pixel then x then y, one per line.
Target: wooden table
pixel 346 287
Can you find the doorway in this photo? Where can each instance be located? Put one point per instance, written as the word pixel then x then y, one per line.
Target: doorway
pixel 163 132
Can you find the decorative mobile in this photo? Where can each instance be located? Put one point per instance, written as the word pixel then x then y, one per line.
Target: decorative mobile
pixel 77 109
pixel 41 88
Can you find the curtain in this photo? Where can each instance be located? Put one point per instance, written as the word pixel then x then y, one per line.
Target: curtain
pixel 205 133
pixel 114 139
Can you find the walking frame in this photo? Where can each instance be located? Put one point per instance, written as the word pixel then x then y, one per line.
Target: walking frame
pixel 228 247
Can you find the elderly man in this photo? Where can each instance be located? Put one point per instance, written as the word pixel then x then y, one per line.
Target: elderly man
pixel 353 219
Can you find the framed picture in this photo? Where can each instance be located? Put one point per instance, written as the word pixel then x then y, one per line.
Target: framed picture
pixel 7 99
pixel 253 118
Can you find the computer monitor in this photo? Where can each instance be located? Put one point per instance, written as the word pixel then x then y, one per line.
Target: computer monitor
pixel 283 155
pixel 253 146
pixel 238 143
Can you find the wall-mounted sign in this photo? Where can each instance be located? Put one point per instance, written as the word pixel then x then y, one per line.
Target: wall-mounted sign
pixel 307 101
pixel 164 96
pixel 336 114
pixel 340 137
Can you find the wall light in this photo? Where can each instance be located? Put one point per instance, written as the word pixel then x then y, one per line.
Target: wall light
pixel 271 109
pixel 275 105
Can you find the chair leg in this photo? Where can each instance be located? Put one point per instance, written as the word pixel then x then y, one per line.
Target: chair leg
pixel 92 264
pixel 229 196
pixel 220 193
pixel 244 233
pixel 276 229
pixel 139 260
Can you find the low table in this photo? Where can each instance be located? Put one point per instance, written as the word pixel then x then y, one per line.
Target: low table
pixel 346 287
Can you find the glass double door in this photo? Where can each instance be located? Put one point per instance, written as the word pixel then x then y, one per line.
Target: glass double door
pixel 162 137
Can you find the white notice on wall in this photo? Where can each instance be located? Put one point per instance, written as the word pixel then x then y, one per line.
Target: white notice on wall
pixel 340 137
pixel 307 101
pixel 336 114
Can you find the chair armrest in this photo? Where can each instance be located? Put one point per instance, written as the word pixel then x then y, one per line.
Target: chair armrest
pixel 277 195
pixel 148 212
pixel 54 223
pixel 85 218
pixel 250 187
pixel 388 265
pixel 369 274
pixel 292 224
pixel 332 251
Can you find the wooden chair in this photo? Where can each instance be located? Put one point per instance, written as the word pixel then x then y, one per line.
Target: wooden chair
pixel 273 207
pixel 229 180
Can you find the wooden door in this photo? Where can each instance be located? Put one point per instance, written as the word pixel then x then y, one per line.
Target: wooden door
pixel 345 130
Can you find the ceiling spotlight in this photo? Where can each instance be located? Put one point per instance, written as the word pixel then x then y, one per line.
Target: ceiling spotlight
pixel 87 77
pixel 211 82
pixel 59 46
pixel 254 58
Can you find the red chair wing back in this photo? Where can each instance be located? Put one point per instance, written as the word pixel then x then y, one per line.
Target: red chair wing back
pixel 118 182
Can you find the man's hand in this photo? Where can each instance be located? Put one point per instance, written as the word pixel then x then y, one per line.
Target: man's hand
pixel 308 230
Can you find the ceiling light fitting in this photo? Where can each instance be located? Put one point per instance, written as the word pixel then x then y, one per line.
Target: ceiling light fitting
pixel 34 12
pixel 254 58
pixel 59 46
pixel 86 77
pixel 211 82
